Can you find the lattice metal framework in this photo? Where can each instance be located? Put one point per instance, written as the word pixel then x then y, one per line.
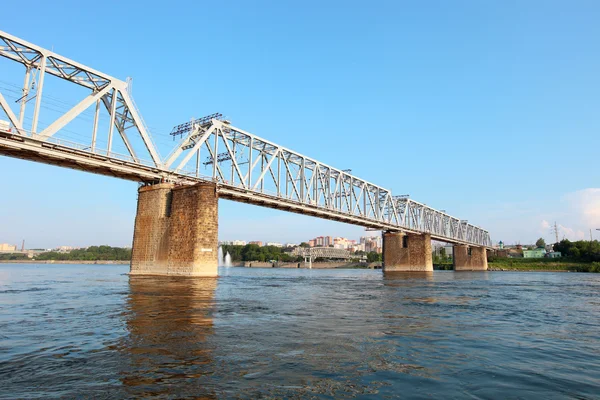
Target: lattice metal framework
pixel 250 163
pixel 245 167
pixel 322 252
pixel 105 90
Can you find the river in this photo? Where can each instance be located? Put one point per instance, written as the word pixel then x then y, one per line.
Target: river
pixel 91 331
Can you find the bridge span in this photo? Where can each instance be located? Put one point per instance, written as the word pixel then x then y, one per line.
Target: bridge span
pixel 176 223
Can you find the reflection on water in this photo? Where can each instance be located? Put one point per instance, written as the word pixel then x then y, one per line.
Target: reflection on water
pixel 94 332
pixel 397 276
pixel 169 321
pixel 405 279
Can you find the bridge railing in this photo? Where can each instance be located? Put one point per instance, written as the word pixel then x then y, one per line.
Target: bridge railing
pixel 84 148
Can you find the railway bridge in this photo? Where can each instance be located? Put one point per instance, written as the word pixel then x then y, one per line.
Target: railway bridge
pixel 176 226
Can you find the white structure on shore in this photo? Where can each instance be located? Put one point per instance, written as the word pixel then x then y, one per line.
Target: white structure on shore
pixel 275 244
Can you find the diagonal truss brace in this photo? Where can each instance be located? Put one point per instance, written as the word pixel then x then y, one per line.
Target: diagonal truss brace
pixel 47 62
pixel 11 115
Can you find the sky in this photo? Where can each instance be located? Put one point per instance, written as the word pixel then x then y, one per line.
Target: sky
pixel 486 109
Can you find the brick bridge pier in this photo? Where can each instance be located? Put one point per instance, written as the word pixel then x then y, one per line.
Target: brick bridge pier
pixel 176 231
pixel 412 253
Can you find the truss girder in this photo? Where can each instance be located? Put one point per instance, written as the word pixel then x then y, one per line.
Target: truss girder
pixel 122 111
pixel 261 167
pixel 244 166
pixel 322 252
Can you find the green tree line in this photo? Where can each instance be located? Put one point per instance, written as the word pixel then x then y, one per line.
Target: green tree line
pixel 13 256
pixel 582 250
pixel 92 253
pixel 253 252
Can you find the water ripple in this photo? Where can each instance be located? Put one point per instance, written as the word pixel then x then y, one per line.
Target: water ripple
pixel 94 332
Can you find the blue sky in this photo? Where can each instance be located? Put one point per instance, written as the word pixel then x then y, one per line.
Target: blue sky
pixel 487 109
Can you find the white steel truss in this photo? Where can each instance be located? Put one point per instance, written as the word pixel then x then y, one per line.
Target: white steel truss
pixel 251 164
pixel 245 167
pixel 105 90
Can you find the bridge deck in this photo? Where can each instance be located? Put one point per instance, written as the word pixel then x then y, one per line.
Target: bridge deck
pixel 59 154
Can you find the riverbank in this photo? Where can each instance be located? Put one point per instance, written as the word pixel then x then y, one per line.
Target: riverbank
pixel 505 264
pixel 533 265
pixel 540 265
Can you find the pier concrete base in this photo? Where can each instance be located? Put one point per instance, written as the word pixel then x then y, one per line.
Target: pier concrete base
pixel 469 258
pixel 176 231
pixel 406 252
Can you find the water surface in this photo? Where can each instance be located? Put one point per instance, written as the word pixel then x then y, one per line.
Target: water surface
pixel 91 331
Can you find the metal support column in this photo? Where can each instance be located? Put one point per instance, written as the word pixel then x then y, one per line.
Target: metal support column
pixel 25 95
pixel 95 128
pixel 38 96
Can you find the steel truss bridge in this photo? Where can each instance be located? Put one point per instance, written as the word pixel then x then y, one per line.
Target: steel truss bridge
pixel 323 252
pixel 245 167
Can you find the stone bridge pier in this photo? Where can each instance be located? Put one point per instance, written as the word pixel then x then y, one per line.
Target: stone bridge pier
pixel 176 231
pixel 469 258
pixel 407 252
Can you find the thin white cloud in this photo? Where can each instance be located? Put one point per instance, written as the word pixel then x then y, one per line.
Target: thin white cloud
pixel 585 206
pixel 565 232
pixel 545 225
pixel 575 213
pixel 578 212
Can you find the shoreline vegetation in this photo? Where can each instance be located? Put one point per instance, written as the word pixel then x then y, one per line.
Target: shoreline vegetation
pixel 543 264
pixel 76 262
pixel 533 265
pixel 92 253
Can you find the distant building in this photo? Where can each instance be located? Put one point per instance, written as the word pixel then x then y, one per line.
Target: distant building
pixel 257 242
pixel 239 243
pixel 540 252
pixel 312 243
pixel 274 244
pixel 357 247
pixel 5 247
pixel 501 253
pixel 449 250
pixel 515 253
pixel 554 254
pixel 322 241
pixel 343 243
pixel 371 243
pixel 64 249
pixel 370 246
